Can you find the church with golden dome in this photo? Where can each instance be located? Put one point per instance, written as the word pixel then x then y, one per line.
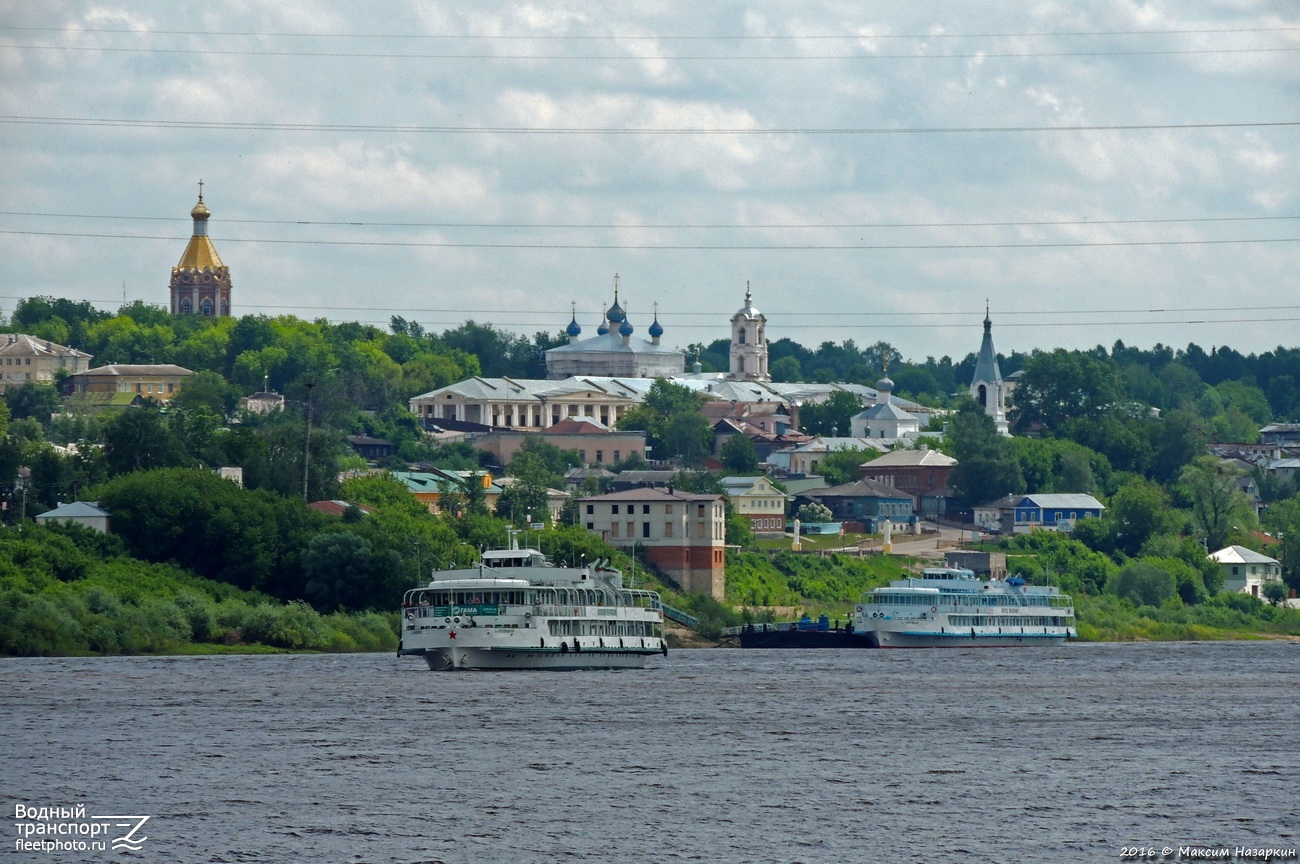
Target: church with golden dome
pixel 200 283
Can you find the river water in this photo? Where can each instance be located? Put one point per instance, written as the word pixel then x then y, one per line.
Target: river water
pixel 1067 753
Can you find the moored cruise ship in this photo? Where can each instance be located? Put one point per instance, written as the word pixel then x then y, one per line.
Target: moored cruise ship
pixel 517 610
pixel 949 607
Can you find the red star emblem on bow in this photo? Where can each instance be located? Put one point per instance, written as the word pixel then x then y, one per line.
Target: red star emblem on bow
pixel 451 634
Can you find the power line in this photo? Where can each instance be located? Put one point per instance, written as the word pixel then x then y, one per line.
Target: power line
pixel 808 247
pixel 662 225
pixel 546 37
pixel 244 126
pixel 974 314
pixel 637 58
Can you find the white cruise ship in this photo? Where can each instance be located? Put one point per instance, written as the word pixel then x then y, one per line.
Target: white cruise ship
pixel 949 607
pixel 517 610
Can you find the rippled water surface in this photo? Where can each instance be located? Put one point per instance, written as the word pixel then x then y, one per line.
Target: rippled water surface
pixel 1057 754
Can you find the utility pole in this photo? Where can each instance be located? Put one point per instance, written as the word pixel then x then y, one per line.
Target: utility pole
pixel 306 442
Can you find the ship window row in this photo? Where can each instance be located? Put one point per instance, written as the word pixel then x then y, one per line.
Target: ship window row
pixel 470 598
pixel 572 627
pixel 1059 601
pixel 1005 621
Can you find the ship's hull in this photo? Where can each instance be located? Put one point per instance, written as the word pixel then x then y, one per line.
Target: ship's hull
pixel 802 639
pixel 881 638
pixel 554 659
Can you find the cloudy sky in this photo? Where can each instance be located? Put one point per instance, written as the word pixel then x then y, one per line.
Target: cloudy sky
pixel 1095 170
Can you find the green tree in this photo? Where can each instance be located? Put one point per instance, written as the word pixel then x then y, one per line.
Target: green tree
pixel 34 400
pixel 986 468
pixel 1283 519
pixel 739 456
pixel 1275 592
pixel 843 466
pixel 670 416
pixel 1137 511
pixel 832 417
pixel 1143 583
pixel 139 440
pixel 208 390
pixel 1061 385
pixel 1219 509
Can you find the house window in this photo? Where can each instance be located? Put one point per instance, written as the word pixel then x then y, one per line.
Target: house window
pixel 618 454
pixel 631 529
pixel 613 529
pixel 645 509
pixel 591 509
pixel 613 509
pixel 591 526
pixel 701 510
pixel 600 456
pixel 701 533
pixel 645 529
pixel 668 509
pixel 668 529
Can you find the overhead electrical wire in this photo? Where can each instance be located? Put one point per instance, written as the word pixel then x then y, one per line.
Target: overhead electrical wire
pixel 266 126
pixel 662 225
pixel 639 58
pixel 650 36
pixel 436 244
pixel 1041 317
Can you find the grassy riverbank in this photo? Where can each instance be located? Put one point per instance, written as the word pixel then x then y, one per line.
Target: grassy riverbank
pixel 68 593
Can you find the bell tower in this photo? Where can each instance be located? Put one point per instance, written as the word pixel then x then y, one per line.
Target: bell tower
pixel 749 342
pixel 200 283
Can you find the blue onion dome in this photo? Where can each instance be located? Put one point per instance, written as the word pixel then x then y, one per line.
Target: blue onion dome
pixel 655 329
pixel 625 328
pixel 885 384
pixel 603 328
pixel 573 329
pixel 616 315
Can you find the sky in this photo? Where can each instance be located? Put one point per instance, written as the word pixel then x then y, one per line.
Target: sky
pixel 1091 170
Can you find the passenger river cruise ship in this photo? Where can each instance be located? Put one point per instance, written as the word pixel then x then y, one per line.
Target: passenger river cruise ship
pixel 517 610
pixel 950 607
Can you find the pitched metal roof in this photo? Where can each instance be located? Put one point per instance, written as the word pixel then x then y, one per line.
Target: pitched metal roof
pixel 75 510
pixel 1063 500
pixel 1240 555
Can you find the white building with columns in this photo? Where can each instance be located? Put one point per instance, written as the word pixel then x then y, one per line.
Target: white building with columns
pixel 507 403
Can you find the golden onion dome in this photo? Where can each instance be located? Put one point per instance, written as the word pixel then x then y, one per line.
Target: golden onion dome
pixel 200 210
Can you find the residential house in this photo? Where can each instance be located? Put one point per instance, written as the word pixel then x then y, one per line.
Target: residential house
pixel 989 515
pixel 866 503
pixel 26 358
pixel 337 507
pixel 1050 510
pixel 758 501
pixel 370 448
pixel 921 473
pixel 1281 434
pixel 805 458
pixel 507 403
pixel 160 381
pixel 85 513
pixel 682 533
pixel 594 442
pixel 430 488
pixel 1246 571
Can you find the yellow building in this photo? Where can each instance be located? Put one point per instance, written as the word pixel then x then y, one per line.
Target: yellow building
pixel 155 381
pixel 25 358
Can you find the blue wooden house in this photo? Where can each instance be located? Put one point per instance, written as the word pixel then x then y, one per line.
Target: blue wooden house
pixel 866 502
pixel 1054 511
